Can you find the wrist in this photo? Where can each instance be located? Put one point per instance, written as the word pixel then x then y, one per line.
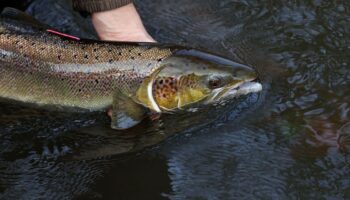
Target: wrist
pixel 123 24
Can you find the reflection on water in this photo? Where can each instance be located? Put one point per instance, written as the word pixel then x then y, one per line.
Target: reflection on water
pixel 290 142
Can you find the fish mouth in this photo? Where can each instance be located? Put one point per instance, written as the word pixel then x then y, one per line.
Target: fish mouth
pixel 236 90
pixel 244 89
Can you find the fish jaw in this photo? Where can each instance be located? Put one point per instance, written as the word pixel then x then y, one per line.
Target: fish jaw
pixel 238 90
pixel 244 89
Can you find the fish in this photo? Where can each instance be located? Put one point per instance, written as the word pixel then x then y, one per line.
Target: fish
pixel 41 66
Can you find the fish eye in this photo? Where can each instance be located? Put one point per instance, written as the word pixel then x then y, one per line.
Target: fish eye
pixel 214 82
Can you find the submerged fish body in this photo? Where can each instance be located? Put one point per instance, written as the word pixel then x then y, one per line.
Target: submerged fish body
pixel 40 67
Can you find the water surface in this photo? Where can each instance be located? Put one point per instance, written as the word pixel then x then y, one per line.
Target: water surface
pixel 289 142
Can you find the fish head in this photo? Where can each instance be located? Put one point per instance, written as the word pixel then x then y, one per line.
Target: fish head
pixel 190 78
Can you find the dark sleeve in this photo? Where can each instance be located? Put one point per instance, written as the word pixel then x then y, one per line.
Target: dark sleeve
pixel 98 5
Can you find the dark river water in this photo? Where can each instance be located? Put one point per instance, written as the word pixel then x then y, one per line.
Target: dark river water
pixel 291 141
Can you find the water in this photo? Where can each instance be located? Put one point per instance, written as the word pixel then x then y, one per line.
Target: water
pixel 289 142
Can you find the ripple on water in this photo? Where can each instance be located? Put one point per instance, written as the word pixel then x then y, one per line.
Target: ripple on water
pixel 295 146
pixel 231 163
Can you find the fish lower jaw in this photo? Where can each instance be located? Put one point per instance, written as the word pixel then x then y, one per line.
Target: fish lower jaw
pixel 239 90
pixel 244 89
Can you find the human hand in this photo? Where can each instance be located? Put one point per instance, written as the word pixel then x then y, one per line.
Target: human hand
pixel 121 24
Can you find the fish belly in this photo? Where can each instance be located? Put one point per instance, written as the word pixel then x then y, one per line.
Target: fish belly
pixel 50 90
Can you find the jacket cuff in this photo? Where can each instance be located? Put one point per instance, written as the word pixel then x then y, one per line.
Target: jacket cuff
pixel 92 6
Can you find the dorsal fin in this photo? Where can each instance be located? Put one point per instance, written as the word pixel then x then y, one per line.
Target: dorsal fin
pixel 12 13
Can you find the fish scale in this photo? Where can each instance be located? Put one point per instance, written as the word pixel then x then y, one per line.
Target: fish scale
pixel 54 70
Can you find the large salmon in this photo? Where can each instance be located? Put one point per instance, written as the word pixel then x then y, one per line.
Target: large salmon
pixel 40 66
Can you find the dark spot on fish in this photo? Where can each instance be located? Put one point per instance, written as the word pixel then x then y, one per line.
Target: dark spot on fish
pixel 110 50
pixel 17 41
pixel 83 47
pixel 120 53
pixel 132 58
pixel 139 54
pixel 96 81
pixel 21 46
pixel 33 43
pixel 159 60
pixel 110 60
pixel 167 80
pixel 86 57
pixel 161 81
pixel 25 55
pixel 42 48
pixel 97 57
pixel 79 90
pixel 55 42
pixel 62 79
pixel 59 57
pixel 164 95
pixel 129 50
pixel 75 56
pixel 95 50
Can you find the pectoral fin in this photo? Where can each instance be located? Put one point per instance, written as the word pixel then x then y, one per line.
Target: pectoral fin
pixel 126 113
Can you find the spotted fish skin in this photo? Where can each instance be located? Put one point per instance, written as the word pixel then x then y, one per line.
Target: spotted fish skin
pixel 165 92
pixel 39 67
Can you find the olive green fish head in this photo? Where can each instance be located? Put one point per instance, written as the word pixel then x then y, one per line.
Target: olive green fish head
pixel 190 78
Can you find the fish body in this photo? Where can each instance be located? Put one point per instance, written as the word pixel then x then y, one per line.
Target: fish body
pixel 38 66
